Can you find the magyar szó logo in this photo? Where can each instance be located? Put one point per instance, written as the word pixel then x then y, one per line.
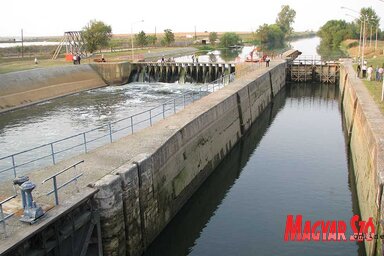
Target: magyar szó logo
pixel 329 230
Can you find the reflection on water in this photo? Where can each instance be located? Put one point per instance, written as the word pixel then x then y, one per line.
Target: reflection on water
pixel 293 161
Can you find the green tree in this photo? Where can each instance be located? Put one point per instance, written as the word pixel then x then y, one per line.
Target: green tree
pixel 169 37
pixel 229 39
pixel 270 35
pixel 285 19
pixel 152 39
pixel 213 37
pixel 96 35
pixel 370 15
pixel 141 39
pixel 333 32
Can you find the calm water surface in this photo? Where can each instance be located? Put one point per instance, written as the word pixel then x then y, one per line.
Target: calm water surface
pixel 293 161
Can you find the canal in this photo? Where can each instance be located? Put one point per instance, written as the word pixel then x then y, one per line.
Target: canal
pixel 294 160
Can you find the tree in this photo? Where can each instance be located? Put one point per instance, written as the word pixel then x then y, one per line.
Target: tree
pixel 229 39
pixel 169 37
pixel 212 37
pixel 285 19
pixel 270 35
pixel 96 35
pixel 334 32
pixel 370 15
pixel 151 39
pixel 141 39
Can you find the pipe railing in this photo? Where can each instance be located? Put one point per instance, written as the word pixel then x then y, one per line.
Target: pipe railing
pixel 50 153
pixel 56 188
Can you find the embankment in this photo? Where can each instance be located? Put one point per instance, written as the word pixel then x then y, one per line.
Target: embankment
pixel 18 89
pixel 364 124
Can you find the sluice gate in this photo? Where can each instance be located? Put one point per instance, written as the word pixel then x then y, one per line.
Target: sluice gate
pixel 171 72
pixel 311 69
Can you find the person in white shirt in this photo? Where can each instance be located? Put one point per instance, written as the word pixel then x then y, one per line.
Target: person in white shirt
pixel 369 72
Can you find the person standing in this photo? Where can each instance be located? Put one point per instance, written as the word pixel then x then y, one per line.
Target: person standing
pixel 267 60
pixel 358 70
pixel 364 70
pixel 369 72
pixel 78 59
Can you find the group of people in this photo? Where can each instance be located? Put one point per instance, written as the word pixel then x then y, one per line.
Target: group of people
pixel 195 58
pixel 163 60
pixel 370 73
pixel 76 59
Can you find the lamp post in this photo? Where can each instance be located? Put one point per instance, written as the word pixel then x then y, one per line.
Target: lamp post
pixel 365 19
pixel 360 33
pixel 132 36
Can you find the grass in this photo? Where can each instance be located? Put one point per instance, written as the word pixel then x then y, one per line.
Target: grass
pixel 375 58
pixel 18 64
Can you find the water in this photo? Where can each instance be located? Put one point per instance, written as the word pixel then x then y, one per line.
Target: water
pixel 307 45
pixel 56 119
pixel 293 161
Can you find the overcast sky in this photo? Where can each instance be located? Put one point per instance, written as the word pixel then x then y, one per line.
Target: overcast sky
pixel 50 17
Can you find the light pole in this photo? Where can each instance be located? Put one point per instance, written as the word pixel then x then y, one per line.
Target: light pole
pixel 360 33
pixel 365 19
pixel 132 36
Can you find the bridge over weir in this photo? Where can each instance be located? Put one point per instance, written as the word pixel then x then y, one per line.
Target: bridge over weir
pixel 182 72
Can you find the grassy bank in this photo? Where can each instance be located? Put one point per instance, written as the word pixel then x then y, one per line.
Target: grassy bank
pixel 375 57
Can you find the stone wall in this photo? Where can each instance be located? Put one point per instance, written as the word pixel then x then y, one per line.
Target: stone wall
pixel 18 89
pixel 149 190
pixel 364 124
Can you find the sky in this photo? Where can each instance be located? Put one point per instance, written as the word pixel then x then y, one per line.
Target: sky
pixel 53 18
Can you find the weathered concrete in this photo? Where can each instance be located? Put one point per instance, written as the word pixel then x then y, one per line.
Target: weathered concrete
pixel 114 73
pixel 364 123
pixel 145 178
pixel 18 89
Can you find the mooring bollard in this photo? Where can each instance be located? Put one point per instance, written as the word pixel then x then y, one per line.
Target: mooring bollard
pixel 31 210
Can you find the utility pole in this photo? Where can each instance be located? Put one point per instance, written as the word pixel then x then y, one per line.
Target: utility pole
pixel 22 44
pixel 195 34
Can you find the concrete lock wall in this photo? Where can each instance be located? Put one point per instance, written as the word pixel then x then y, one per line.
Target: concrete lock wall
pixel 155 185
pixel 364 124
pixel 114 73
pixel 22 88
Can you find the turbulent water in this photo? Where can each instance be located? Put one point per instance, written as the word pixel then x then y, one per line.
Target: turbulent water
pixel 52 120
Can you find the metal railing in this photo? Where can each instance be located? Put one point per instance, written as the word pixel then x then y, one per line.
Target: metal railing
pixel 3 217
pixel 51 153
pixel 56 188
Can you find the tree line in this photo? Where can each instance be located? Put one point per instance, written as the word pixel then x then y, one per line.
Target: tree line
pixel 333 32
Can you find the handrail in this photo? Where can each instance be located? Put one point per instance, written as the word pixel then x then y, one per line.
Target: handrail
pixel 53 177
pixel 132 122
pixel 3 217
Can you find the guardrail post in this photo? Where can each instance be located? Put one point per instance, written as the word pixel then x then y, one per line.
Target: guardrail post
pixel 184 100
pixel 163 110
pixel 174 105
pixel 150 117
pixel 53 154
pixel 85 143
pixel 14 165
pixel 3 220
pixel 199 92
pixel 193 99
pixel 132 124
pixel 55 190
pixel 110 131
